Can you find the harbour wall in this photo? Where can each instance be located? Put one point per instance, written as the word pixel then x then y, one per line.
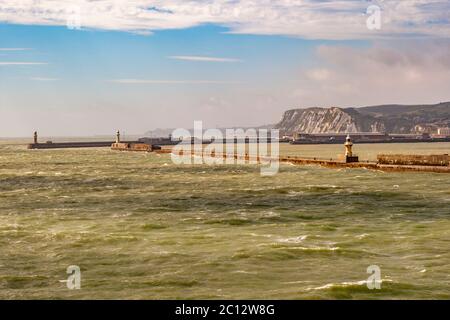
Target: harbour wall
pixel 420 160
pixel 329 163
pixel 67 145
pixel 139 147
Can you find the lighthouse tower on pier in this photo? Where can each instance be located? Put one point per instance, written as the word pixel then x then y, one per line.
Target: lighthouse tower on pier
pixel 349 157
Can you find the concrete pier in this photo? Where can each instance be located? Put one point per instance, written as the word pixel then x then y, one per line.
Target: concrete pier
pixel 399 163
pixel 366 165
pixel 139 147
pixel 418 160
pixel 329 163
pixel 68 145
pixel 75 144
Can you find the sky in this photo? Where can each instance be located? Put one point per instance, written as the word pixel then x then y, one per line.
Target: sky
pixel 78 68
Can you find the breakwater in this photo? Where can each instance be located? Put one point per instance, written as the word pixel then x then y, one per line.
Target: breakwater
pixel 139 147
pixel 328 163
pixel 69 145
pixel 421 160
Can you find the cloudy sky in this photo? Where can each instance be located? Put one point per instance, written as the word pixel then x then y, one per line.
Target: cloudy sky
pixel 92 67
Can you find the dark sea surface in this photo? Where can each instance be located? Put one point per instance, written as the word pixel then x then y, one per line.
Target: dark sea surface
pixel 141 227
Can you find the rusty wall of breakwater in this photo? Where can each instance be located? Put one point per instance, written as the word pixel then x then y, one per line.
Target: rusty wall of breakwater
pixel 414 160
pixel 139 147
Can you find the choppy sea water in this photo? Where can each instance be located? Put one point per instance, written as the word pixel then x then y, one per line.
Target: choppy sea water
pixel 141 227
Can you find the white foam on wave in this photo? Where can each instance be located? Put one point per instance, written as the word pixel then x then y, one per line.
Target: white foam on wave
pixel 245 272
pixel 347 284
pixel 293 239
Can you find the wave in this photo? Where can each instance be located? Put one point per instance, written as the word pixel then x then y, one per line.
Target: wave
pixel 293 239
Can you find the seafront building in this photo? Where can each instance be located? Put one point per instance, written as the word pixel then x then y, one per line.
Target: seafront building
pixel 444 132
pixel 359 137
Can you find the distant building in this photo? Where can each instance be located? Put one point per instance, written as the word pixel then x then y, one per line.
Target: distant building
pixel 425 128
pixel 409 136
pixel 358 137
pixel 333 135
pixel 339 137
pixel 444 131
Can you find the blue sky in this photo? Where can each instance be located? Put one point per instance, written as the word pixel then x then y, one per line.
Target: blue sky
pixel 140 74
pixel 86 70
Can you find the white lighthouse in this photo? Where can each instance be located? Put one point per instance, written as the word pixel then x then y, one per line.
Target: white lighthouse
pixel 349 157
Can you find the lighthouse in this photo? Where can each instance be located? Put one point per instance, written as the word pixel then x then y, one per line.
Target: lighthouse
pixel 349 157
pixel 348 146
pixel 118 136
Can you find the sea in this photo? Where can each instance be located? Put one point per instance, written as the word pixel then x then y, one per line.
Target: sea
pixel 139 226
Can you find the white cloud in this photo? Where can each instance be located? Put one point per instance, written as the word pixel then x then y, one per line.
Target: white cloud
pixel 314 19
pixel 204 59
pixel 15 49
pixel 319 74
pixel 144 81
pixel 8 63
pixel 43 79
pixel 377 75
